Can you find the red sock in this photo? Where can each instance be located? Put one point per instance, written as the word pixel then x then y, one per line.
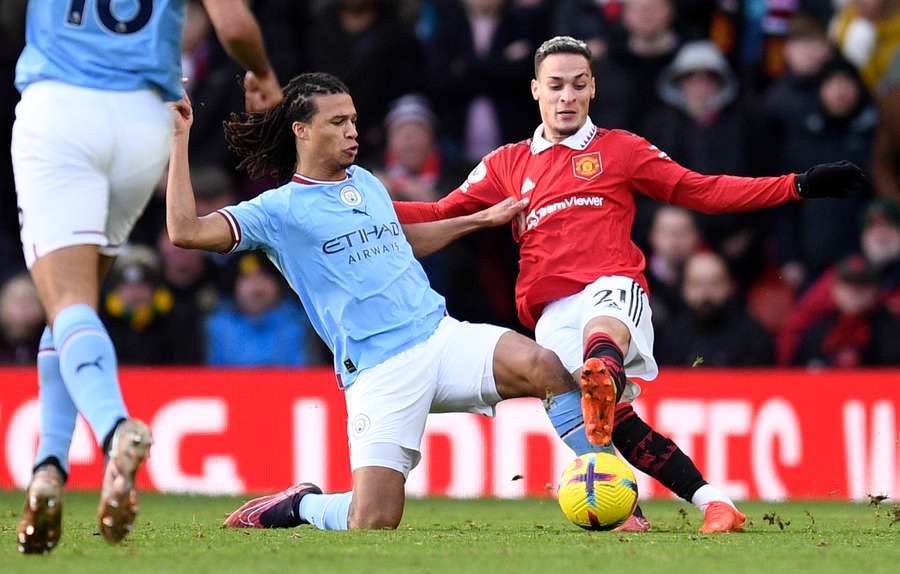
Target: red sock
pixel 601 346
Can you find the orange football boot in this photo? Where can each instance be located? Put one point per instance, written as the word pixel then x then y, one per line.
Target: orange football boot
pixel 722 517
pixel 637 522
pixel 598 401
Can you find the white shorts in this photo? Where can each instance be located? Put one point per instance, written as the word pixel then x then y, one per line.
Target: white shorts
pixel 561 326
pixel 453 371
pixel 86 162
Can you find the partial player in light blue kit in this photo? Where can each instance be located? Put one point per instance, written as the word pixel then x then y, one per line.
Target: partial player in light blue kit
pixel 89 44
pixel 95 77
pixel 332 231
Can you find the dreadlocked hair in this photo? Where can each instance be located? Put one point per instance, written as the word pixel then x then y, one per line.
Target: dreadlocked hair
pixel 264 141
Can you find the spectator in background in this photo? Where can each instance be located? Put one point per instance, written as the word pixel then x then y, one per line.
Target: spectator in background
pixel 413 169
pixel 674 238
pixel 791 98
pixel 21 321
pixel 187 275
pixel 699 92
pixel 479 67
pixel 702 127
pixel 285 23
pixel 814 235
pixel 137 311
pixel 714 329
pixel 880 243
pixel 867 33
pixel 261 327
pixel 364 43
pixel 591 21
pixel 886 149
pixel 859 331
pixel 213 188
pixel 412 160
pixel 633 62
pixel 212 85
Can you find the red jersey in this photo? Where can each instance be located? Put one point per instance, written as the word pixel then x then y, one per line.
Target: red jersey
pixel 578 223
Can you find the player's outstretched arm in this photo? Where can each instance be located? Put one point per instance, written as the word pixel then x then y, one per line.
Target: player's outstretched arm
pixel 426 238
pixel 657 176
pixel 186 230
pixel 239 33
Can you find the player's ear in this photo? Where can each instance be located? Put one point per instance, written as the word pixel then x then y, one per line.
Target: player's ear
pixel 300 130
pixel 593 87
pixel 534 89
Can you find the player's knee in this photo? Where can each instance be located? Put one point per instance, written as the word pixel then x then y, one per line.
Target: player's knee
pixel 546 373
pixel 375 518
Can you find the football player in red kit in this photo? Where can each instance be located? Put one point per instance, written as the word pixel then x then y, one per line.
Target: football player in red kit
pixel 581 285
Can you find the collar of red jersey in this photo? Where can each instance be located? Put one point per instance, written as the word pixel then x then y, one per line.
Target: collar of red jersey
pixel 577 141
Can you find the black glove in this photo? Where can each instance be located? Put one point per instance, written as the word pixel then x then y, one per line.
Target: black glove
pixel 835 179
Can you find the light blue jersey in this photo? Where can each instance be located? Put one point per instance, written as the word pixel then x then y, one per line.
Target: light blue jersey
pixel 104 44
pixel 341 248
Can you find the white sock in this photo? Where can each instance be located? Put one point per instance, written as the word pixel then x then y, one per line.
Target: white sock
pixel 709 493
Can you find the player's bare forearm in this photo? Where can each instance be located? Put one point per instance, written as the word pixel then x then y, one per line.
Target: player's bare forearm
pixel 428 237
pixel 185 229
pixel 239 33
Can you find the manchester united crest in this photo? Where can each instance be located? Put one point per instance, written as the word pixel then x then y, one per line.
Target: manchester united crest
pixel 587 165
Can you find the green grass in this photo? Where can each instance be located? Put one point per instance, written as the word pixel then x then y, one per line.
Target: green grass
pixel 182 534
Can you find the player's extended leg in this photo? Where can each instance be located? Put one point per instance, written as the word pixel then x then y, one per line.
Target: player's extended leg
pixel 659 457
pixel 68 286
pixel 376 502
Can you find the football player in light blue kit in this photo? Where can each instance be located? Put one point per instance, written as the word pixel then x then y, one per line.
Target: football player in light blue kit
pixel 332 231
pixel 90 141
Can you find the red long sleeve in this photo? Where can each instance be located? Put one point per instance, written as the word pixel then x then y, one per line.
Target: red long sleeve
pixel 657 176
pixel 483 188
pixel 453 205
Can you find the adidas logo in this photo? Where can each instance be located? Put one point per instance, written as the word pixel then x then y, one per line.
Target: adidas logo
pixel 527 186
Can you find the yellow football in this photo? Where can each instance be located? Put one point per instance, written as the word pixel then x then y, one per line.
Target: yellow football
pixel 597 491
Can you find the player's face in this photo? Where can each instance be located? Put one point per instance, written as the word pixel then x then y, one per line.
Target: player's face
pixel 563 89
pixel 330 136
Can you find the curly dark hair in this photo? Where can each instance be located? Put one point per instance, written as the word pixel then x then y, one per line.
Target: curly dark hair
pixel 264 141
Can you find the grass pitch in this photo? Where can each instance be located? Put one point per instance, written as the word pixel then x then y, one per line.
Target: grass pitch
pixel 182 534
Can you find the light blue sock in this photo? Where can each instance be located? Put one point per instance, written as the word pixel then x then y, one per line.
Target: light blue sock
pixel 326 511
pixel 87 361
pixel 565 414
pixel 58 412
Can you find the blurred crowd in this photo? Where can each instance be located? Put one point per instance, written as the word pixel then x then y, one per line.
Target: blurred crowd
pixel 744 87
